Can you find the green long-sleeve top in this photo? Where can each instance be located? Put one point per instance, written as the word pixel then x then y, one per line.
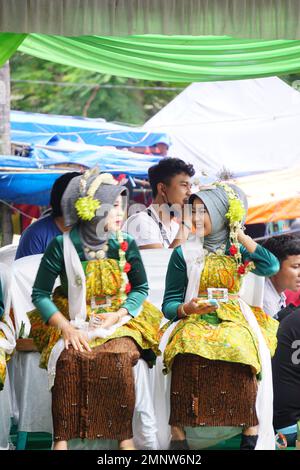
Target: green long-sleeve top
pixel 1 302
pixel 52 265
pixel 266 264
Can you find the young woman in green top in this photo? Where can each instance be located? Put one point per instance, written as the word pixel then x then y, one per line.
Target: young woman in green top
pixel 97 324
pixel 219 357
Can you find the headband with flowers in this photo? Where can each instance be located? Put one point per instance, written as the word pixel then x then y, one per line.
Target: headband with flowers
pixel 235 215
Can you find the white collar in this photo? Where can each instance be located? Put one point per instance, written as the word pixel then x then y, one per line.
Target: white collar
pixel 281 298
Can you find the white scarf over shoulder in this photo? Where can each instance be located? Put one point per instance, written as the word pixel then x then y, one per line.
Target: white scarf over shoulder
pixel 8 343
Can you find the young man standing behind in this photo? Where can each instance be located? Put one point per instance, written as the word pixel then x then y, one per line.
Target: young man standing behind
pixel 37 236
pixel 287 249
pixel 166 223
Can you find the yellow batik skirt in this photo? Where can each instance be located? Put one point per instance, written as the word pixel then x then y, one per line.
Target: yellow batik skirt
pixel 144 329
pixel 226 337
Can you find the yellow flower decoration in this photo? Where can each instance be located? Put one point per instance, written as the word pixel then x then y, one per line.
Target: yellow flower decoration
pixel 236 211
pixel 86 207
pixel 235 215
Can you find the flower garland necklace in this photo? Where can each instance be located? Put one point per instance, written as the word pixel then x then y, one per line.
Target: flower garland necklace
pixel 235 215
pixel 124 266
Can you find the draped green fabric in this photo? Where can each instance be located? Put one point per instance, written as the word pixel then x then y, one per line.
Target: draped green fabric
pixel 9 43
pixel 170 58
pixel 163 58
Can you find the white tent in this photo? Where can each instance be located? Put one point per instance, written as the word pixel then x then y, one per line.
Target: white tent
pixel 245 126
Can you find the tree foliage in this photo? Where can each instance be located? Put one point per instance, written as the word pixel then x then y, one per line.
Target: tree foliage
pixel 133 106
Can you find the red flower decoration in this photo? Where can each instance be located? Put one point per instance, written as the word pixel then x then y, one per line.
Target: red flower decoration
pixel 127 288
pixel 127 267
pixel 233 250
pixel 124 246
pixel 246 263
pixel 241 269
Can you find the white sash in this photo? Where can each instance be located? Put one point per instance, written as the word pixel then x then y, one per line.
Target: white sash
pixel 193 254
pixel 264 398
pixel 8 343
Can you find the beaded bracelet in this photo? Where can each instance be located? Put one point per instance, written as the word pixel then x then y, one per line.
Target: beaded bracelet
pixel 182 311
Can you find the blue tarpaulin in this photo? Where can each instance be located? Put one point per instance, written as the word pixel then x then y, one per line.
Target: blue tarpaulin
pixel 63 140
pixel 33 128
pixel 27 188
pixel 114 161
pixel 33 187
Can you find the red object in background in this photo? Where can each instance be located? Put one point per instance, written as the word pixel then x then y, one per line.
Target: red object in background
pixel 292 297
pixel 121 177
pixel 33 212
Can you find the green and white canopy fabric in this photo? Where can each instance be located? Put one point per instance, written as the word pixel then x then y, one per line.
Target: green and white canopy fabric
pixel 166 40
pixel 166 58
pixel 9 43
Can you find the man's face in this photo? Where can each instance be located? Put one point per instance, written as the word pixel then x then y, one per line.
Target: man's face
pixel 178 191
pixel 288 276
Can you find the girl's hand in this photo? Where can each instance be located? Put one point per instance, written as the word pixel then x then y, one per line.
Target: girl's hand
pixel 193 307
pixel 76 338
pixel 246 241
pixel 109 319
pixel 241 236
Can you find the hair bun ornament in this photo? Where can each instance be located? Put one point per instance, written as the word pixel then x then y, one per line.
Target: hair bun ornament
pixel 86 206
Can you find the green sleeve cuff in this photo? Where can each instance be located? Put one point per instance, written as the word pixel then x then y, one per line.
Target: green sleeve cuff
pixel 46 307
pixel 137 278
pixel 171 311
pixel 176 284
pixel 134 307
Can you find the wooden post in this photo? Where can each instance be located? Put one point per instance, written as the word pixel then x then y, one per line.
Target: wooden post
pixel 5 212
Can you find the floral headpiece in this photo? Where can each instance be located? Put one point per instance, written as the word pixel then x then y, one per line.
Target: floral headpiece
pixel 235 216
pixel 86 206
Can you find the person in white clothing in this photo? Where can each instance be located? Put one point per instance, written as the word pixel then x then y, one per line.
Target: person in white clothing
pixel 166 223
